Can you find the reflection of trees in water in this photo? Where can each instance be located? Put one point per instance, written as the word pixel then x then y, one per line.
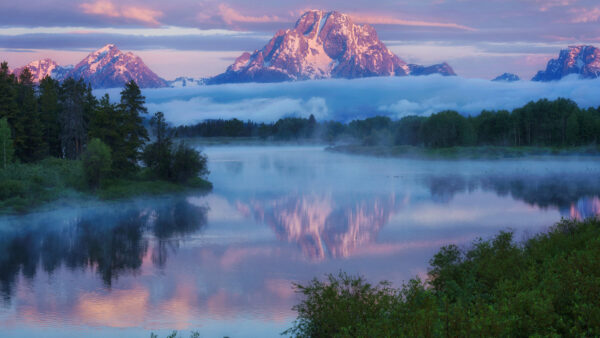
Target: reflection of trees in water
pixel 324 227
pixel 563 192
pixel 110 241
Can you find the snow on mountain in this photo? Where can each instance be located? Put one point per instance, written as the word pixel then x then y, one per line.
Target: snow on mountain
pixel 582 60
pixel 42 68
pixel 108 67
pixel 182 82
pixel 321 45
pixel 507 77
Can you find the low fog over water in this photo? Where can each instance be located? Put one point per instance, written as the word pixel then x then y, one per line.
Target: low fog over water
pixel 223 263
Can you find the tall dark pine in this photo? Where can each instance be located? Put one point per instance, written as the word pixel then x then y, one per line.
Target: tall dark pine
pixel 49 113
pixel 105 124
pixel 8 104
pixel 72 118
pixel 158 155
pixel 133 131
pixel 33 147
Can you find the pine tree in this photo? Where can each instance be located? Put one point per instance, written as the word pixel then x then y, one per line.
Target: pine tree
pixel 49 113
pixel 6 143
pixel 72 118
pixel 33 147
pixel 133 132
pixel 158 155
pixel 9 108
pixel 105 123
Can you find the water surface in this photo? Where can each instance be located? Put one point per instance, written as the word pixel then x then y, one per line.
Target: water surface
pixel 223 263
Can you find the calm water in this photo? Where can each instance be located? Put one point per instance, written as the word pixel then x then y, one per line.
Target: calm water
pixel 223 263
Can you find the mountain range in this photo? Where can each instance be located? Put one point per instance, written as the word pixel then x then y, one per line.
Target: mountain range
pixel 321 45
pixel 105 68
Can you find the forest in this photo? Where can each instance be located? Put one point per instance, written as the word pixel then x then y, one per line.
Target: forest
pixel 544 123
pixel 57 138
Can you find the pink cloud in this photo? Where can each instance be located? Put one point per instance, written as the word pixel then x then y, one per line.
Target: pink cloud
pixel 104 8
pixel 585 15
pixel 108 9
pixel 548 4
pixel 386 20
pixel 231 16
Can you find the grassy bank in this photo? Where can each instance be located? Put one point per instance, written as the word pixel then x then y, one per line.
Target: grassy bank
pixel 25 187
pixel 481 152
pixel 545 286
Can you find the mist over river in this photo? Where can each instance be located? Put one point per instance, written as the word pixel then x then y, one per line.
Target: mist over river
pixel 223 263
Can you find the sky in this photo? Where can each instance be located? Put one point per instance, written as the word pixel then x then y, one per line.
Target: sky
pixel 198 38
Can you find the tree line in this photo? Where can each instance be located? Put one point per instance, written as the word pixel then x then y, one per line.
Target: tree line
pixel 65 120
pixel 557 123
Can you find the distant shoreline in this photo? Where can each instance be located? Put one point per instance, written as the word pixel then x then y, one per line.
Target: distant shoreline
pixel 478 152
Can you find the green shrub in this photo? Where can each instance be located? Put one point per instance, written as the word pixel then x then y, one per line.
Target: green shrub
pixel 546 286
pixel 11 188
pixel 96 162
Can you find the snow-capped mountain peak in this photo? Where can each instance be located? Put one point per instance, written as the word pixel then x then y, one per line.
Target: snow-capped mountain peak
pixel 110 67
pixel 41 68
pixel 583 60
pixel 321 45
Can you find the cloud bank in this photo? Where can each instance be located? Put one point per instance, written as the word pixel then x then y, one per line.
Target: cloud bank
pixel 344 100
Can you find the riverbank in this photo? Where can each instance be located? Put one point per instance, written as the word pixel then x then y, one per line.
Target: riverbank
pixel 482 152
pixel 26 187
pixel 544 286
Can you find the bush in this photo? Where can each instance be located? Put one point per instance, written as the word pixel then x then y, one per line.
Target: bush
pixel 179 163
pixel 188 163
pixel 96 162
pixel 11 188
pixel 547 286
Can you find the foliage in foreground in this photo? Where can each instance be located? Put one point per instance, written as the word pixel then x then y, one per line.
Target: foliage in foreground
pixel 546 286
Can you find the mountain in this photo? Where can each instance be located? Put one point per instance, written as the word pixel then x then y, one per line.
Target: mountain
pixel 507 77
pixel 321 45
pixel 582 60
pixel 108 67
pixel 182 82
pixel 442 68
pixel 42 68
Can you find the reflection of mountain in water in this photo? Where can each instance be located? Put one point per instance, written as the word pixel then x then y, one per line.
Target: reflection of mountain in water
pixel 322 226
pixel 574 196
pixel 325 226
pixel 585 208
pixel 110 241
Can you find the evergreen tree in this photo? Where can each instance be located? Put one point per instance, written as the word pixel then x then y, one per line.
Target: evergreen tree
pixel 33 147
pixel 72 118
pixel 9 108
pixel 572 130
pixel 158 155
pixel 49 114
pixel 6 143
pixel 132 130
pixel 105 123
